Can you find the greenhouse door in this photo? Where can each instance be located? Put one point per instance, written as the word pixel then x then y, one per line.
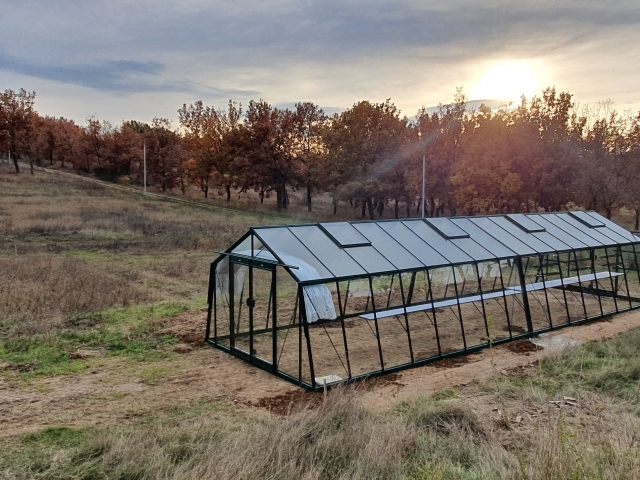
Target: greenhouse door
pixel 253 312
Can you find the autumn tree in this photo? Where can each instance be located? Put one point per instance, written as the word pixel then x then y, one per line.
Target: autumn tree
pixel 438 136
pixel 307 145
pixel 263 151
pixel 364 144
pixel 164 154
pixel 483 178
pixel 205 130
pixel 16 123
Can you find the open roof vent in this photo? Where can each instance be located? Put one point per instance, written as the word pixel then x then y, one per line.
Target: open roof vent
pixel 586 219
pixel 344 235
pixel 446 228
pixel 525 223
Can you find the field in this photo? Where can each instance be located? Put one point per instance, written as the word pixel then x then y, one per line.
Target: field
pixel 103 373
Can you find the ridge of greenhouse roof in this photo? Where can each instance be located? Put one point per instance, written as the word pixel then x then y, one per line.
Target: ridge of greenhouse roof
pixel 344 250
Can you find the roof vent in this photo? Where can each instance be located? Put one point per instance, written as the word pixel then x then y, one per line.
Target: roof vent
pixel 525 223
pixel 446 228
pixel 344 235
pixel 586 219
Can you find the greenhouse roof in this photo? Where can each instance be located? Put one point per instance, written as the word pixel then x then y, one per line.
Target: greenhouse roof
pixel 342 250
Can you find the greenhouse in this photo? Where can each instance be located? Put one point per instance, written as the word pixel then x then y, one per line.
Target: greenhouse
pixel 325 303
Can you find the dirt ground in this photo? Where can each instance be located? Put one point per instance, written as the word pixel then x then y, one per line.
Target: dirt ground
pixel 117 391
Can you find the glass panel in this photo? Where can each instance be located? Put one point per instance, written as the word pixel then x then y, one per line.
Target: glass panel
pixel 409 240
pixel 515 303
pixel 447 228
pixel 286 245
pixel 611 227
pixel 605 284
pixel 344 234
pixel 492 229
pixel 332 256
pixel 472 248
pixel 245 246
pixel 628 259
pixel 240 309
pixel 262 316
pixel 550 272
pixel 329 357
pixel 571 288
pixel 446 248
pixel 356 296
pixel 574 232
pixel 370 259
pixel 596 234
pixel 561 235
pixel 525 223
pixel 220 312
pixel 289 333
pixel 586 219
pixel 528 239
pixel 489 243
pixel 423 334
pixel 386 245
pixel 538 307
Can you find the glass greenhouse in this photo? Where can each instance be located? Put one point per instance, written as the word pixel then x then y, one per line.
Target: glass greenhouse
pixel 332 302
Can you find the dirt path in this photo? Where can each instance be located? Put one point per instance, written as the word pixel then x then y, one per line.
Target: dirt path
pixel 117 391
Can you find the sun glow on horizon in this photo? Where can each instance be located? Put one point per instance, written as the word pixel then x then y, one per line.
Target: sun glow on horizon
pixel 507 82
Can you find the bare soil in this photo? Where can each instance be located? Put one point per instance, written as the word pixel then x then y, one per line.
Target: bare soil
pixel 114 390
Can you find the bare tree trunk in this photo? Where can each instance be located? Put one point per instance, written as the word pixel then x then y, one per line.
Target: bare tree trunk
pixel 364 208
pixel 228 188
pixel 408 209
pixel 309 194
pixel 396 208
pixel 370 207
pixel 335 207
pixel 31 165
pixel 608 210
pixel 637 224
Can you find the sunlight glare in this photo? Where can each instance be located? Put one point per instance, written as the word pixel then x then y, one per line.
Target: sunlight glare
pixel 506 82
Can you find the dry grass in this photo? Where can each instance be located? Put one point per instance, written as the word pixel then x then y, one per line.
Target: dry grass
pixel 422 439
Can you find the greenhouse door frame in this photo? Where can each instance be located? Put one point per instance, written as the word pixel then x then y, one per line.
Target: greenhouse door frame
pixel 271 364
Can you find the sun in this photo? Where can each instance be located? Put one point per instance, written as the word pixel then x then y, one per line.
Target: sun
pixel 506 82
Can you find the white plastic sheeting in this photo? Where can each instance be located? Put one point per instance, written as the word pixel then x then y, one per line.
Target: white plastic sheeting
pixel 317 298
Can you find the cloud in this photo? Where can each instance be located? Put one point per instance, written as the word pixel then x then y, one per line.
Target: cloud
pixel 333 52
pixel 119 76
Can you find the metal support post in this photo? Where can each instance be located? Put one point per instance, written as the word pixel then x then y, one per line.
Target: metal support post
pixel 525 298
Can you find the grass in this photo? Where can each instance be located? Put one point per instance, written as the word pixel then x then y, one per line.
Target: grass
pixel 87 267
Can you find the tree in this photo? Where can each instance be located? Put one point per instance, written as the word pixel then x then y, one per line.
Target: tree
pixel 262 148
pixel 205 132
pixel 164 154
pixel 363 145
pixel 482 177
pixel 308 122
pixel 16 122
pixel 438 138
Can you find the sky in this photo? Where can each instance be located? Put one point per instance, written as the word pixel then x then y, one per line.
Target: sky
pixel 121 59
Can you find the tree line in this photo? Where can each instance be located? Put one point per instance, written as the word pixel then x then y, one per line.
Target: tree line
pixel 546 153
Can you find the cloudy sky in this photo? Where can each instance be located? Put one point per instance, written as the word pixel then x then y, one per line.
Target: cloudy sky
pixel 121 59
